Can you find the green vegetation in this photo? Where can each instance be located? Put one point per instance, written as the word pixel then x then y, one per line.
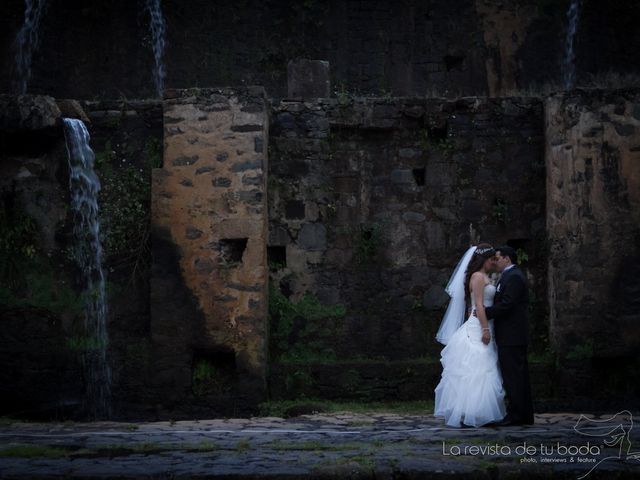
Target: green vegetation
pixel 368 243
pixel 84 344
pixel 34 451
pixel 363 459
pixel 243 445
pixel 500 211
pixel 207 378
pixel 343 96
pixel 581 351
pixel 125 208
pixel 486 464
pixel 45 451
pixel 545 356
pixel 28 278
pixel 446 145
pixel 304 330
pixel 417 304
pixel 17 245
pixel 275 266
pixel 522 256
pixel 313 445
pixel 153 152
pixel 277 408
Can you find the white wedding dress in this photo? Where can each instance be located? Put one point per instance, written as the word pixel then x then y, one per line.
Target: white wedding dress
pixel 470 390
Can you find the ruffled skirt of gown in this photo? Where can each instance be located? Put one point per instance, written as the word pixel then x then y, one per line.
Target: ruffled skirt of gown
pixel 470 389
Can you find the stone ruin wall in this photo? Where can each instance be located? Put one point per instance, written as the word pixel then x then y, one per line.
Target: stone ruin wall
pixel 373 201
pixel 209 215
pixel 423 171
pixel 593 220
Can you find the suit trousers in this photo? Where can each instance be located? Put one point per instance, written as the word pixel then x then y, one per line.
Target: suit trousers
pixel 515 378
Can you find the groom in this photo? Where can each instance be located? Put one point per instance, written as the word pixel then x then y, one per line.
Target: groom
pixel 510 326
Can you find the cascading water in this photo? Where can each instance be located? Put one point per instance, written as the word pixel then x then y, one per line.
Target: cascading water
pixel 158 28
pixel 568 63
pixel 84 185
pixel 25 44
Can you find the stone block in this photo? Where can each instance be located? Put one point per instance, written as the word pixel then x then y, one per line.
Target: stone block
pixel 402 176
pixel 313 236
pixel 28 112
pixel 435 298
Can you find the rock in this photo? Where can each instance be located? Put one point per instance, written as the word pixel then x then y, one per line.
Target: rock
pixel 28 112
pixel 204 265
pixel 184 160
pixel 313 236
pixel 193 233
pixel 248 165
pixel 402 176
pixel 221 182
pixel 72 109
pixel 413 217
pixel 205 169
pixel 435 298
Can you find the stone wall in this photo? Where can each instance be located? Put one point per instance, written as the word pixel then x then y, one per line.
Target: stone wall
pixel 372 202
pixel 368 204
pixel 593 219
pixel 209 276
pixel 126 137
pixel 408 47
pixel 41 309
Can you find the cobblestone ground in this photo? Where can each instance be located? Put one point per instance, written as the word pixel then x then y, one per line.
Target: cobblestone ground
pixel 322 446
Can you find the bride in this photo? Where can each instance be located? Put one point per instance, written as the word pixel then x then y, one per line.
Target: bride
pixel 470 391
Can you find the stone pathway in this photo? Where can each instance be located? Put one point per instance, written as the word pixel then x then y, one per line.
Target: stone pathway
pixel 319 446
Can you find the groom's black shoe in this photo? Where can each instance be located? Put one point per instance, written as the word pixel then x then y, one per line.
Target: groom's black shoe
pixel 501 423
pixel 505 422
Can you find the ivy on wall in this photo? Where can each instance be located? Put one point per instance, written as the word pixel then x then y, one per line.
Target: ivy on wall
pixel 125 207
pixel 304 330
pixel 27 277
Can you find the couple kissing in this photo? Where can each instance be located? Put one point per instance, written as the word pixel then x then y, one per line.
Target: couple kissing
pixel 485 333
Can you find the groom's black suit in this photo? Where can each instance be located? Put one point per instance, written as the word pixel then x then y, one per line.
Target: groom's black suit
pixel 511 330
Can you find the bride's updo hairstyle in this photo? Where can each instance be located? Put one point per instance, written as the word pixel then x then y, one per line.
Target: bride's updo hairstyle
pixel 483 252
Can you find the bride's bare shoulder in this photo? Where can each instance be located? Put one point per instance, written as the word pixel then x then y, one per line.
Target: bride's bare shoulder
pixel 476 278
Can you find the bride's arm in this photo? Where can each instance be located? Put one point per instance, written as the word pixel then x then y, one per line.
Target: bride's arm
pixel 477 288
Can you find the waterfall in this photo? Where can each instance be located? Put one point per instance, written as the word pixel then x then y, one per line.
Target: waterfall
pixel 568 64
pixel 84 186
pixel 26 43
pixel 158 28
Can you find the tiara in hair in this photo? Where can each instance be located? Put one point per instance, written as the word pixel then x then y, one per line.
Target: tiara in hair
pixel 486 251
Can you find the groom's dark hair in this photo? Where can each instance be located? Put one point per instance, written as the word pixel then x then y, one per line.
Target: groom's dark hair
pixel 507 251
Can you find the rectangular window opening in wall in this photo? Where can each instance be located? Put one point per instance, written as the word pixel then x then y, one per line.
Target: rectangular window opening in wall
pixel 232 249
pixel 213 370
pixel 276 257
pixel 522 248
pixel 438 132
pixel 418 176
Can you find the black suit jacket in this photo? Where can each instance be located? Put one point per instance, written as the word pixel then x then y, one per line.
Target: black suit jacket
pixel 510 309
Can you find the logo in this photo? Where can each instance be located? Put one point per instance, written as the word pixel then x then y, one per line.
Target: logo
pixel 614 431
